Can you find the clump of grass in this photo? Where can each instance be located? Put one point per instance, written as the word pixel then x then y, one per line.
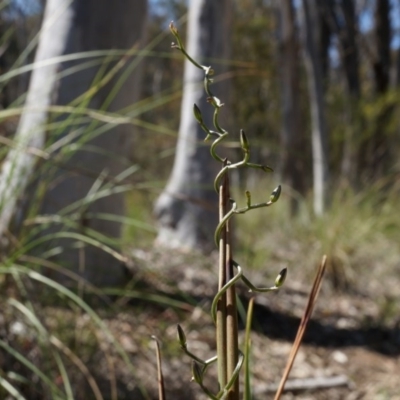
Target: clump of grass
pixel 358 232
pixel 57 342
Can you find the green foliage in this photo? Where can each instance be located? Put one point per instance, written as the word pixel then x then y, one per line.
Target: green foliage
pixel 358 233
pixel 256 78
pixel 53 337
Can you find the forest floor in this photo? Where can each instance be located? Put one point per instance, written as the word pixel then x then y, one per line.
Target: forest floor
pixel 351 349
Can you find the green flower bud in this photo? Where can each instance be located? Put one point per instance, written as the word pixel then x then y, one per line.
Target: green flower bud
pixel 181 336
pixel 196 371
pixel 209 71
pixel 173 29
pixel 275 194
pixel 280 279
pixel 215 101
pixel 265 168
pixel 197 114
pixel 244 142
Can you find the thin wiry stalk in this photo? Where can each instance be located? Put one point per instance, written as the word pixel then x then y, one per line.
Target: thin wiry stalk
pixel 160 377
pixel 247 344
pixel 312 298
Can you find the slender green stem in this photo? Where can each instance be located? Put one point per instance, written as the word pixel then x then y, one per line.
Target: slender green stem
pixel 199 360
pixel 212 150
pixel 222 292
pixel 216 123
pixel 265 168
pixel 208 392
pixel 224 170
pixel 235 210
pixel 208 81
pixel 247 344
pixel 181 47
pixel 223 393
pixel 222 223
pixel 232 334
pixel 281 277
pixel 257 289
pixel 219 176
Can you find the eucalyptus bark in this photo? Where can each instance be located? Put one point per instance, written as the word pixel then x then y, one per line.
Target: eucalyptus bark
pixel 101 150
pixel 382 37
pixel 374 158
pixel 292 136
pixel 186 210
pixel 98 25
pixel 319 133
pixel 397 67
pixel 30 137
pixel 342 19
pixel 379 148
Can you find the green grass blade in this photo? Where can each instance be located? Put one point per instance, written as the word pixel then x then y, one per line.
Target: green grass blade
pixel 247 351
pixel 57 394
pixel 11 389
pixel 43 334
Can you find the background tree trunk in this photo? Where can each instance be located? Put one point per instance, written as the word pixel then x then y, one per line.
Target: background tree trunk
pixel 310 24
pixel 374 150
pixel 379 152
pixel 292 136
pixel 342 19
pixel 98 25
pixel 19 164
pixel 72 174
pixel 187 209
pixel 323 38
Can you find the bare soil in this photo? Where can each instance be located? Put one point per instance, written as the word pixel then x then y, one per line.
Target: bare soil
pixel 351 349
pixel 352 340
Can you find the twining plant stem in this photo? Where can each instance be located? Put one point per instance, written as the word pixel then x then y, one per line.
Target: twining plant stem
pixel 224 309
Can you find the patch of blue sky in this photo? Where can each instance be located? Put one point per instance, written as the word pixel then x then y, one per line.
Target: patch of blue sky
pixel 365 17
pixel 395 18
pixel 366 20
pixel 27 7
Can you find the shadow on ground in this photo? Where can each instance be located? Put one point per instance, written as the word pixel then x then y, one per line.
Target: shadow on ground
pixel 277 325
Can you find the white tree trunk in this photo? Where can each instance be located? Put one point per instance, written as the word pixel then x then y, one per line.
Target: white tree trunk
pixel 187 210
pixel 30 136
pixel 93 25
pixel 318 122
pixel 98 25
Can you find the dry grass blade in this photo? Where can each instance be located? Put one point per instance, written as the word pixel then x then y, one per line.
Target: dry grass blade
pixel 303 324
pixel 79 364
pixel 160 378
